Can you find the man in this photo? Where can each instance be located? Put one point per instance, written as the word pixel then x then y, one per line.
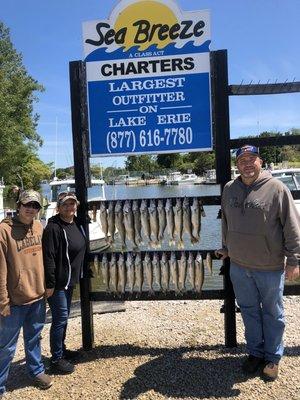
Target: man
pixel 261 235
pixel 22 289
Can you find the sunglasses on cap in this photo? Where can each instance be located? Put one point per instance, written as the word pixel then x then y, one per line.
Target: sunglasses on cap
pixel 32 204
pixel 62 195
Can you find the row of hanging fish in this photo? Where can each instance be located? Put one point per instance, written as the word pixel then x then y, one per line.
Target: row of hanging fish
pixel 139 222
pixel 152 272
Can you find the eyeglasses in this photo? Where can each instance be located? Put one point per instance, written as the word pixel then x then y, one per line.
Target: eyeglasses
pixel 32 204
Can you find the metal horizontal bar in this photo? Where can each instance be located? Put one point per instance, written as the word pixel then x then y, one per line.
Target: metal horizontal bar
pixel 292 290
pixel 266 141
pixel 259 89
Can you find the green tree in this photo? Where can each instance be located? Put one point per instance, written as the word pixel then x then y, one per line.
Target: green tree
pixel 144 163
pixel 19 139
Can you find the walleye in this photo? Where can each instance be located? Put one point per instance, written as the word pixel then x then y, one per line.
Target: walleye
pixel 182 272
pixel 147 274
pixel 113 274
pixel 96 266
pixel 178 214
pixel 137 221
pixel 187 223
pixel 164 270
pixel 119 222
pixel 199 273
pixel 121 274
pixel 111 220
pixel 128 222
pixel 208 262
pixel 190 273
pixel 173 278
pixel 196 218
pixel 129 273
pixel 156 273
pixel 138 274
pixel 154 221
pixel 145 220
pixel 104 272
pixel 170 219
pixel 104 220
pixel 162 220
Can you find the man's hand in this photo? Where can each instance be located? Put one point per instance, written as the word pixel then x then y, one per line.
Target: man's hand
pixel 6 311
pixel 221 254
pixel 292 272
pixel 49 293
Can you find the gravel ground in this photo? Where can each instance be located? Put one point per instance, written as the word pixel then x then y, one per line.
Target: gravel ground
pixel 163 350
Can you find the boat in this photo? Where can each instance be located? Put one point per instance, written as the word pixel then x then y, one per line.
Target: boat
pixel 95 193
pixel 190 179
pixel 173 178
pixel 2 213
pixel 291 178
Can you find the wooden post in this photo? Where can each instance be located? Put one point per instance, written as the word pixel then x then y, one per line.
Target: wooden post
pixel 82 182
pixel 221 130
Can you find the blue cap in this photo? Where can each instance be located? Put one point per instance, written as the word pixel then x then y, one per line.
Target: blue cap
pixel 247 149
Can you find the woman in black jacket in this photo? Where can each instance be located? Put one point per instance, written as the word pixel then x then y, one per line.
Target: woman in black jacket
pixel 64 246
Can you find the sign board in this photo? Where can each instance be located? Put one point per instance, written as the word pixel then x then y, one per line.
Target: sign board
pixel 148 77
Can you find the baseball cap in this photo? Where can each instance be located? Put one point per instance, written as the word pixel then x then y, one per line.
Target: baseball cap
pixel 27 196
pixel 247 149
pixel 64 196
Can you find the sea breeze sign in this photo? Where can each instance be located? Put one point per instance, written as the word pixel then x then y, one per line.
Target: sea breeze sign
pixel 148 76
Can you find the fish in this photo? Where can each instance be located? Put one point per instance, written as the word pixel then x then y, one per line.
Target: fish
pixel 208 262
pixel 187 222
pixel 104 219
pixel 182 263
pixel 138 274
pixel 154 224
pixel 196 218
pixel 178 216
pixel 129 222
pixel 104 272
pixel 129 273
pixel 156 273
pixel 95 268
pixel 173 278
pixel 164 271
pixel 121 274
pixel 147 274
pixel 162 219
pixel 145 219
pixel 120 222
pixel 137 221
pixel 113 274
pixel 170 219
pixel 199 273
pixel 111 220
pixel 190 273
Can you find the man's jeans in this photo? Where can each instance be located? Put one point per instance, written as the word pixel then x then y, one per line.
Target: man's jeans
pixel 259 295
pixel 60 304
pixel 32 318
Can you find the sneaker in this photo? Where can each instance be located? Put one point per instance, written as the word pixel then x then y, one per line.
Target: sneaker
pixel 42 381
pixel 70 354
pixel 252 364
pixel 270 371
pixel 62 366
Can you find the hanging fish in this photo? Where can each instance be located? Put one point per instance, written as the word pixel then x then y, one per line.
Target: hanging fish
pixel 121 274
pixel 113 274
pixel 182 264
pixel 162 219
pixel 129 222
pixel 187 221
pixel 199 273
pixel 95 268
pixel 104 272
pixel 208 263
pixel 104 220
pixel 190 273
pixel 111 220
pixel 178 216
pixel 129 273
pixel 154 221
pixel 156 273
pixel 164 271
pixel 173 278
pixel 145 220
pixel 196 218
pixel 137 221
pixel 119 221
pixel 170 220
pixel 147 274
pixel 138 274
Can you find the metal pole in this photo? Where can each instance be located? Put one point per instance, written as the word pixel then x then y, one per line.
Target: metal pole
pixel 221 130
pixel 82 182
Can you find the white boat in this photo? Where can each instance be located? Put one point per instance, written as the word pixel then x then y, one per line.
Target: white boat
pixel 189 178
pixel 174 178
pixel 95 193
pixel 291 178
pixel 2 213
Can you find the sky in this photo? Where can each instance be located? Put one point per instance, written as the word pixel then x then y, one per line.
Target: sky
pixel 261 37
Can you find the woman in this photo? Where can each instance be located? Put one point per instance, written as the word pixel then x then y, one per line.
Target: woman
pixel 22 289
pixel 64 246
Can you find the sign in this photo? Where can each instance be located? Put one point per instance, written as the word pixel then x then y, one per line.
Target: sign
pixel 148 77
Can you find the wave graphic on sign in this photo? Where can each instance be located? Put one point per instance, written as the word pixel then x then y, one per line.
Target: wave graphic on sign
pixel 101 54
